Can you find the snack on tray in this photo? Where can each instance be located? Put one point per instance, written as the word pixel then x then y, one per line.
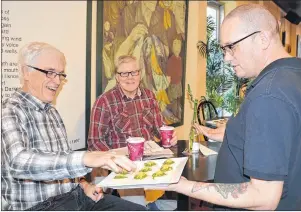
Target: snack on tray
pixel 158 174
pixel 150 164
pixel 165 168
pixel 168 162
pixel 140 176
pixel 145 169
pixel 120 176
pixel 124 171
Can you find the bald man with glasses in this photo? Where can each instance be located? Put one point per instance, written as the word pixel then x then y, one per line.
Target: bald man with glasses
pixel 259 163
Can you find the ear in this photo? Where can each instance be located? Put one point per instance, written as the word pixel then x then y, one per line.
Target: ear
pixel 265 39
pixel 116 78
pixel 279 24
pixel 25 73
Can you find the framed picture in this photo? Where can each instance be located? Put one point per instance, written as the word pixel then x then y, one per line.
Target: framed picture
pixel 77 25
pixel 155 32
pixel 283 37
pixel 298 46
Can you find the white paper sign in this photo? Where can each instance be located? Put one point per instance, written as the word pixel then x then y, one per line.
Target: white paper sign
pixel 63 25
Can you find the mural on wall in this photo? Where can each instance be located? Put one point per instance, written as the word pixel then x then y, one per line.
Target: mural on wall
pixel 155 33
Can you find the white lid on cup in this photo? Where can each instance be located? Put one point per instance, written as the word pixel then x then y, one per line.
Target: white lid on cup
pixel 135 140
pixel 167 128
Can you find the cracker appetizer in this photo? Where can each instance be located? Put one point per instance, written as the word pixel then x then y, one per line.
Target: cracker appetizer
pixel 168 162
pixel 165 168
pixel 158 174
pixel 146 169
pixel 124 171
pixel 150 164
pixel 140 176
pixel 120 176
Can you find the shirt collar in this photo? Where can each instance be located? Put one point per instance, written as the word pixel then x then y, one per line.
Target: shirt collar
pixel 291 61
pixel 31 101
pixel 139 93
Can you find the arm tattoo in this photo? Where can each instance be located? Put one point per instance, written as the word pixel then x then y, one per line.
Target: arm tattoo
pixel 224 189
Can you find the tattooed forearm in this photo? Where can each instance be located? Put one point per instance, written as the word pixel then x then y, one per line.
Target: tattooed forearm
pixel 223 189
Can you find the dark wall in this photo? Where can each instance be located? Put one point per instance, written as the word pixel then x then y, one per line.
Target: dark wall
pixel 292 8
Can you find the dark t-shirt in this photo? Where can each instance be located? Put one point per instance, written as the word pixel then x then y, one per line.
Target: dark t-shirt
pixel 263 140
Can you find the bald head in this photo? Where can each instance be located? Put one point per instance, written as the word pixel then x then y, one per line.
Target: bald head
pixel 250 40
pixel 254 17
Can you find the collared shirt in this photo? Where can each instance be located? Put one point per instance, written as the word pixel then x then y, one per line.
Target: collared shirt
pixel 37 160
pixel 115 117
pixel 263 141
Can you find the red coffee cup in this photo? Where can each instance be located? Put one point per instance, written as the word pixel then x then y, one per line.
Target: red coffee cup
pixel 135 148
pixel 166 135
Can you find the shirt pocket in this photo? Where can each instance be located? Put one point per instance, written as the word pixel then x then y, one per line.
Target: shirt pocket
pixel 148 118
pixel 122 122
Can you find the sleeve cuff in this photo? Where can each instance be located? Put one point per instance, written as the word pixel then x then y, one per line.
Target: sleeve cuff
pixel 76 165
pixel 264 176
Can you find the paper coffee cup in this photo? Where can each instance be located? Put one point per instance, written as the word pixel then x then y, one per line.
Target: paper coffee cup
pixel 135 148
pixel 166 135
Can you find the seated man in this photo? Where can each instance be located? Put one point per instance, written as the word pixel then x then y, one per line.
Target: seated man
pixel 39 169
pixel 127 110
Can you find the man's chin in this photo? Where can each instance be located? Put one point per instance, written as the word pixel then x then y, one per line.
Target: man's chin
pixel 238 74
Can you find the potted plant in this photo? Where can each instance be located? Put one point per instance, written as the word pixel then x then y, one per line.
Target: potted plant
pixel 222 85
pixel 193 143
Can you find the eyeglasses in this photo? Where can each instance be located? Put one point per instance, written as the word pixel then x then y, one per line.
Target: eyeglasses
pixel 126 74
pixel 229 48
pixel 50 74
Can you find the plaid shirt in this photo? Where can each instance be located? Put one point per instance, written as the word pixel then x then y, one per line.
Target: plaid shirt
pixel 37 160
pixel 115 117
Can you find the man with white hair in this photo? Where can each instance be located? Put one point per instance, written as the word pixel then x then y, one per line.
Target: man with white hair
pixel 39 170
pixel 259 163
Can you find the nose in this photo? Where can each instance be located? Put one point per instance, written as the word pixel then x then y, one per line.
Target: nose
pixel 228 57
pixel 57 80
pixel 130 76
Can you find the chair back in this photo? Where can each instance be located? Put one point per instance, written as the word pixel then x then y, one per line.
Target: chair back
pixel 206 111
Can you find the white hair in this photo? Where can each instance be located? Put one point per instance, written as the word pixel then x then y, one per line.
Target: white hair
pixel 29 52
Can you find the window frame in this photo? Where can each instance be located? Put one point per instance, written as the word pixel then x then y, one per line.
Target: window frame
pixel 219 8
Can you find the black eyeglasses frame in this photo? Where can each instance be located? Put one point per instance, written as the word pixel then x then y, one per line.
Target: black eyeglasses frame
pixel 47 73
pixel 127 74
pixel 231 45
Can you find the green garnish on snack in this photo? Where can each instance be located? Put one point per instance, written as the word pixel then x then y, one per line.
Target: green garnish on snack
pixel 168 162
pixel 146 169
pixel 140 176
pixel 120 176
pixel 158 174
pixel 124 172
pixel 165 168
pixel 150 164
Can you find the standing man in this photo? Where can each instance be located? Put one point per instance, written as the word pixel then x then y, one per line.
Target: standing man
pixel 259 163
pixel 39 169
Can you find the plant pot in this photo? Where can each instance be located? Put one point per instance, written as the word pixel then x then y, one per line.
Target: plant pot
pixel 195 147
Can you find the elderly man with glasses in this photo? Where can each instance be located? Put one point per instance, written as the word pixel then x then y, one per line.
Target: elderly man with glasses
pixel 259 163
pixel 127 110
pixel 39 170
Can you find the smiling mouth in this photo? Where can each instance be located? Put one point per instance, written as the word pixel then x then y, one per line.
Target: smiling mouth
pixel 51 88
